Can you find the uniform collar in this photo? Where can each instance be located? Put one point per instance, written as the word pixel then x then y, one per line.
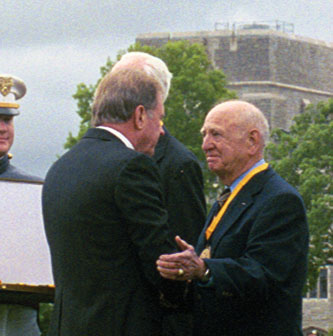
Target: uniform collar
pixel 4 163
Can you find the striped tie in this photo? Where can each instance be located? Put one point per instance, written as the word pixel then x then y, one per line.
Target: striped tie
pixel 223 197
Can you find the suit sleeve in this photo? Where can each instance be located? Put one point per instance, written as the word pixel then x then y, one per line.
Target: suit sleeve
pixel 139 197
pixel 275 252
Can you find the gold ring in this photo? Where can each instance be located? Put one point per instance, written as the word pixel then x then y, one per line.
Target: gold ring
pixel 180 272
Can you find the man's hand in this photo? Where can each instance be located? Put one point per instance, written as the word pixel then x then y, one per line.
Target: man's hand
pixel 185 265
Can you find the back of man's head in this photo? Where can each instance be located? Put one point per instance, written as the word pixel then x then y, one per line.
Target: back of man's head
pixel 152 65
pixel 120 92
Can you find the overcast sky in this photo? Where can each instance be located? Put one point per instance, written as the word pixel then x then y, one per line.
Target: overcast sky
pixel 55 45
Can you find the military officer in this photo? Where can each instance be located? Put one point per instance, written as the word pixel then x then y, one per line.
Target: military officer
pixel 17 316
pixel 11 89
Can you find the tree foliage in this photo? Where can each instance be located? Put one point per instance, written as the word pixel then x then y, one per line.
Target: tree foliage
pixel 195 88
pixel 45 312
pixel 84 96
pixel 304 157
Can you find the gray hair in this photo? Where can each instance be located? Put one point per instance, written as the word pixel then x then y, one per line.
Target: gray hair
pixel 120 92
pixel 153 66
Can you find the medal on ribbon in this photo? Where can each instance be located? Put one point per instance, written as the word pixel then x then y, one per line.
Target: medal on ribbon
pixel 206 253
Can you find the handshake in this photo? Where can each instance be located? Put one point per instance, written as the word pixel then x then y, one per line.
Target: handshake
pixel 182 266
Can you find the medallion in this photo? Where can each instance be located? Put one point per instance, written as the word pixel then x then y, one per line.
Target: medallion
pixel 206 253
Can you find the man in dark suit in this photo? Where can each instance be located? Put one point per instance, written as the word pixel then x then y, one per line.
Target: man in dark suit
pixel 249 265
pixel 181 173
pixel 104 216
pixel 182 184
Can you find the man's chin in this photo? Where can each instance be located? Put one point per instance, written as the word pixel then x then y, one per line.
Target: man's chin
pixel 3 150
pixel 212 165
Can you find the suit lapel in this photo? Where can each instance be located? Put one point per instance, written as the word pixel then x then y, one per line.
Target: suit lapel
pixel 211 214
pixel 236 208
pixel 239 205
pixel 161 147
pixel 202 238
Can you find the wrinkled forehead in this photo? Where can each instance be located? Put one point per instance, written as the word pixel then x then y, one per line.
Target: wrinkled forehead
pixel 219 119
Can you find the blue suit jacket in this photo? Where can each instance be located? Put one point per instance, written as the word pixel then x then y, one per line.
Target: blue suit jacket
pixel 258 263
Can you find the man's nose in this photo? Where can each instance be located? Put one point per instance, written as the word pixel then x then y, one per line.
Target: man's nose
pixel 206 143
pixel 3 125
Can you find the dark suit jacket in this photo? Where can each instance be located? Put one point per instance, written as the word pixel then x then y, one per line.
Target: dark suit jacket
pixel 258 264
pixel 106 227
pixel 182 184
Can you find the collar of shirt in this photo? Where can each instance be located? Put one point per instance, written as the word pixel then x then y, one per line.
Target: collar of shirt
pixel 235 183
pixel 119 135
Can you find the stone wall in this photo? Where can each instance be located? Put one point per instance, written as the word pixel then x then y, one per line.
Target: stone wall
pixel 319 312
pixel 301 62
pixel 278 72
pixel 247 60
pixel 279 102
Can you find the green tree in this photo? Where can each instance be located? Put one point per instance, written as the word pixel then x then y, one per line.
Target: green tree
pixel 304 157
pixel 45 311
pixel 195 88
pixel 84 97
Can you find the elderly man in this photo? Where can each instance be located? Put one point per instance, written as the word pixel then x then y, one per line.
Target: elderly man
pixel 18 312
pixel 104 216
pixel 249 266
pixel 182 183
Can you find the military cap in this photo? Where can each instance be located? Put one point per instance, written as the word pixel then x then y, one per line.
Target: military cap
pixel 11 89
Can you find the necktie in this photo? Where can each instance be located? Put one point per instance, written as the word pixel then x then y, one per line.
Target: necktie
pixel 206 253
pixel 223 197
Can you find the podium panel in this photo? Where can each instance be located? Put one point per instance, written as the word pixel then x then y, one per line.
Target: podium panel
pixel 25 257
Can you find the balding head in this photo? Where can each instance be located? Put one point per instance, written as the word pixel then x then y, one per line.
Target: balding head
pixel 234 136
pixel 153 66
pixel 245 116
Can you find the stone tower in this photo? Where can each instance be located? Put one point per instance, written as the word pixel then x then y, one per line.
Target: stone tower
pixel 279 72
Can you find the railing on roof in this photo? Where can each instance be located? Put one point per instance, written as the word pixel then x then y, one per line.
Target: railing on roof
pixel 277 25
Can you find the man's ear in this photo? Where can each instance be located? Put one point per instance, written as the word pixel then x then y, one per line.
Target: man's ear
pixel 254 141
pixel 140 117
